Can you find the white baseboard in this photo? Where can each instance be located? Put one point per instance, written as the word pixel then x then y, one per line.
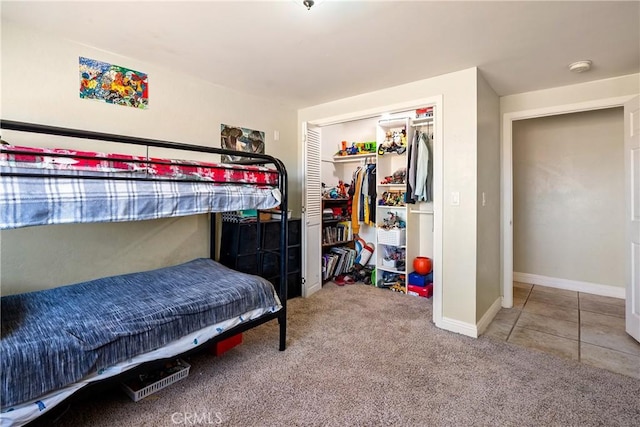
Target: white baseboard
pixel 458 327
pixel 470 329
pixel 486 319
pixel 307 292
pixel 570 285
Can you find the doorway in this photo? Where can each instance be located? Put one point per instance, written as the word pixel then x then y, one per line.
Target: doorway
pixel 569 201
pixel 507 176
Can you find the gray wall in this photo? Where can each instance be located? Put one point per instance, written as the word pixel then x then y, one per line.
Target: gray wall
pixel 488 241
pixel 181 108
pixel 568 198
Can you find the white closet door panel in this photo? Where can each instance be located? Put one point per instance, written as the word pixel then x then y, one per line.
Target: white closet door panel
pixel 312 213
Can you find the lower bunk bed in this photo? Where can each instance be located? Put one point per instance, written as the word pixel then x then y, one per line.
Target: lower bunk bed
pixel 59 341
pixel 56 341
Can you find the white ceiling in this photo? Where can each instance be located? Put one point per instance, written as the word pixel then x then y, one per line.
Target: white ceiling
pixel 280 50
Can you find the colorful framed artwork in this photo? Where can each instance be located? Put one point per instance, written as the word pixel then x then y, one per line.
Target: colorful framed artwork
pixel 237 138
pixel 113 84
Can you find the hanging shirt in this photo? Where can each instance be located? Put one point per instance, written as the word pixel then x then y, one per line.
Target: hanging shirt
pixel 412 165
pixel 364 195
pixel 422 169
pixel 373 194
pixel 355 209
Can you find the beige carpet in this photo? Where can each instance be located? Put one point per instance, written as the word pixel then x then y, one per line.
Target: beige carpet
pixel 362 356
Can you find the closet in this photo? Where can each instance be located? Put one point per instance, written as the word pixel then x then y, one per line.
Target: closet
pixel 347 151
pixel 396 230
pixel 405 202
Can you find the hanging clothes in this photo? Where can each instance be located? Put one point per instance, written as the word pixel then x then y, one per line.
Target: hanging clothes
pixel 373 194
pixel 364 196
pixel 355 191
pixel 422 190
pixel 429 191
pixel 362 192
pixel 412 165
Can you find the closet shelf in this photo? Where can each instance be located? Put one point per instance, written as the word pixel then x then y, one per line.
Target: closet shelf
pixel 422 121
pixel 418 211
pixel 392 122
pixel 339 243
pixel 353 158
pixel 390 269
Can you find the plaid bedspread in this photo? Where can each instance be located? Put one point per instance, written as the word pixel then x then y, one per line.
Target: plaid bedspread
pixel 27 201
pixel 55 337
pixel 70 187
pixel 90 161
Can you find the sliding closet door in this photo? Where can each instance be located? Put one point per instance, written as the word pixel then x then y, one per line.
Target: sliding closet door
pixel 632 175
pixel 312 212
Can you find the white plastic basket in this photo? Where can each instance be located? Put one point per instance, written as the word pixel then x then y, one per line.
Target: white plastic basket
pixel 136 395
pixel 393 237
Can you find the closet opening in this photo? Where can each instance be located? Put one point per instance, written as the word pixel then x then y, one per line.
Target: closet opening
pixel 381 232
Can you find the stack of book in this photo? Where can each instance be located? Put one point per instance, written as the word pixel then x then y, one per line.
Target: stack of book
pixel 337 261
pixel 341 233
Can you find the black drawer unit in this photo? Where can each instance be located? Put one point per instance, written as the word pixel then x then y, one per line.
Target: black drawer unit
pixel 239 250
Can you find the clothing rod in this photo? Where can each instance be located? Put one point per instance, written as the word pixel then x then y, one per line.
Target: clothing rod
pixel 418 211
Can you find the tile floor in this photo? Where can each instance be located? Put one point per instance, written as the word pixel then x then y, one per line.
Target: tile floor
pixel 576 325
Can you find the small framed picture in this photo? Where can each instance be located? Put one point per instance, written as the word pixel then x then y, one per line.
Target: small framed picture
pixel 237 138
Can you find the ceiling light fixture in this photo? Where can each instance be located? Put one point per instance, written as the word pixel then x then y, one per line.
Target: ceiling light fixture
pixel 580 66
pixel 309 3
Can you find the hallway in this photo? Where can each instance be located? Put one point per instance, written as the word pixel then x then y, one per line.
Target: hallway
pixel 575 325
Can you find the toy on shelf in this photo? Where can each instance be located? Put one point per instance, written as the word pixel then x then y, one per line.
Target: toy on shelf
pixel 392 198
pixel 340 191
pixel 394 141
pixel 423 113
pixel 392 221
pixel 394 257
pixel 356 148
pixel 398 177
pixel 394 281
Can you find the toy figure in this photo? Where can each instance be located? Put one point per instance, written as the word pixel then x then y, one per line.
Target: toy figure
pixel 342 190
pixel 399 176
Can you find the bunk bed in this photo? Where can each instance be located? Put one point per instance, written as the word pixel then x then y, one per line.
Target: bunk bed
pixel 57 341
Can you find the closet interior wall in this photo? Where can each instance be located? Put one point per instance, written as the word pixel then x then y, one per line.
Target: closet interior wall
pixel 332 172
pixel 422 212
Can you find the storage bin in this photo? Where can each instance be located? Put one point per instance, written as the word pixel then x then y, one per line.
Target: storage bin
pixel 421 280
pixel 393 237
pixel 158 385
pixel 425 292
pixel 389 263
pixel 226 344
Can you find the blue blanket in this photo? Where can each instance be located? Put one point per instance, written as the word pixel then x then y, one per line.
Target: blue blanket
pixel 55 337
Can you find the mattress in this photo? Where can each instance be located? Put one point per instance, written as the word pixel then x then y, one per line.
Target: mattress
pixel 91 161
pixel 53 186
pixel 57 337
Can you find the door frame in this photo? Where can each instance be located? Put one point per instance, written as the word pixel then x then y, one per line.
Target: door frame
pixel 506 154
pixel 438 187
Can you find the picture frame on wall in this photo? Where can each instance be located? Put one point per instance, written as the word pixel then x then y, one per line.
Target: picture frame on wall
pixel 238 138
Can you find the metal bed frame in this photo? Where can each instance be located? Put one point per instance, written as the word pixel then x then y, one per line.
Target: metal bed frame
pixel 251 159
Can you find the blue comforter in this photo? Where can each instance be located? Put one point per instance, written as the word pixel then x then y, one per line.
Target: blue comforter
pixel 55 337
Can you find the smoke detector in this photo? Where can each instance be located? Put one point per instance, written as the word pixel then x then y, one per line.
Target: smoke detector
pixel 580 66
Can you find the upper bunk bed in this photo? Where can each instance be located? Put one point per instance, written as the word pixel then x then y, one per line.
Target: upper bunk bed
pixel 43 186
pixel 57 341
